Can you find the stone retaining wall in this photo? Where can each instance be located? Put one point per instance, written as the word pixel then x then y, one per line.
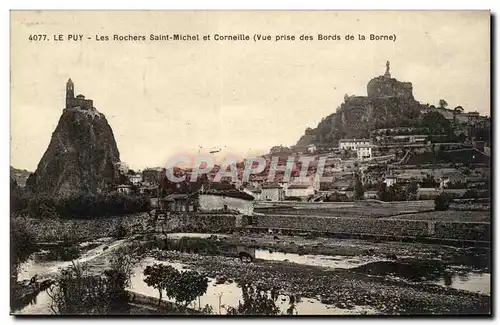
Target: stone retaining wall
pixel 49 230
pixel 383 227
pixel 57 230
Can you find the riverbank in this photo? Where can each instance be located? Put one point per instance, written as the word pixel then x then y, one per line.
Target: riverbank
pixel 308 244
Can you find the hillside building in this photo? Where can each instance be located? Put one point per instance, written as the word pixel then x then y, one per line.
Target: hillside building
pixel 302 191
pixel 364 152
pixel 353 144
pixel 272 192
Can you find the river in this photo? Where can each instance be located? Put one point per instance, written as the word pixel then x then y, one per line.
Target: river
pixel 219 296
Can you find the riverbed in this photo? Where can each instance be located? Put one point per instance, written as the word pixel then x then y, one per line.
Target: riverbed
pixel 298 273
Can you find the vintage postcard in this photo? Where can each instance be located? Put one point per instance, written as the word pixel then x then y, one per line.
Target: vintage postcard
pixel 250 163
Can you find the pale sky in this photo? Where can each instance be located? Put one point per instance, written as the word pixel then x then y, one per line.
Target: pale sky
pixel 167 98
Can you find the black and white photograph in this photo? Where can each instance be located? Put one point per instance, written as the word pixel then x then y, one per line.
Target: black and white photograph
pixel 250 163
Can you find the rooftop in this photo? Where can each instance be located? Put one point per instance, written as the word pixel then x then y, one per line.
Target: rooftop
pixel 174 197
pixel 354 140
pixel 298 186
pixel 234 193
pixel 270 185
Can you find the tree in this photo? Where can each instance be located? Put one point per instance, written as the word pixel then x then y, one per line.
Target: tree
pixel 396 193
pixel 429 181
pixel 120 230
pixel 17 200
pixel 442 103
pixel 161 277
pixel 281 149
pixel 458 109
pixel 470 194
pixel 442 202
pixel 382 192
pixel 188 286
pixel 359 191
pixel 22 245
pixel 411 191
pixel 436 123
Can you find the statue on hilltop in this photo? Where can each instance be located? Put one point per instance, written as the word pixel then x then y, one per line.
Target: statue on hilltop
pixel 387 74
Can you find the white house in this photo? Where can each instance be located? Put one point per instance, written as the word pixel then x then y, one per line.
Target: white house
pixel 272 192
pixel 364 151
pixel 302 191
pixel 213 200
pixel 135 179
pixel 125 189
pixel 353 144
pixel 311 148
pixel 390 180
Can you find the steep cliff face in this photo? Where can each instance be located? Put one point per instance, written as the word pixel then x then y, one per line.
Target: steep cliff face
pixel 388 103
pixel 80 157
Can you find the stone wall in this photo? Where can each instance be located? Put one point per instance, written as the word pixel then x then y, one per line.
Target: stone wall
pixel 50 230
pixel 346 225
pixel 380 226
pixel 206 222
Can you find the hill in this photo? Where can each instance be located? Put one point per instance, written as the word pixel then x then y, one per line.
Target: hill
pixel 82 152
pixel 388 103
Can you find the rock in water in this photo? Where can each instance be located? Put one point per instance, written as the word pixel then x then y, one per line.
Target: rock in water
pixel 81 155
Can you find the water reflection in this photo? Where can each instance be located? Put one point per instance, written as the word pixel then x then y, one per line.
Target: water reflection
pixel 340 262
pixel 470 281
pixel 223 297
pixel 430 272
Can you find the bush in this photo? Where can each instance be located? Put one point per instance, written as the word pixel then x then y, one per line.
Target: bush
pixel 120 231
pixel 442 202
pixel 256 301
pixel 470 194
pixel 79 293
pixel 196 245
pixel 65 253
pixel 337 197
